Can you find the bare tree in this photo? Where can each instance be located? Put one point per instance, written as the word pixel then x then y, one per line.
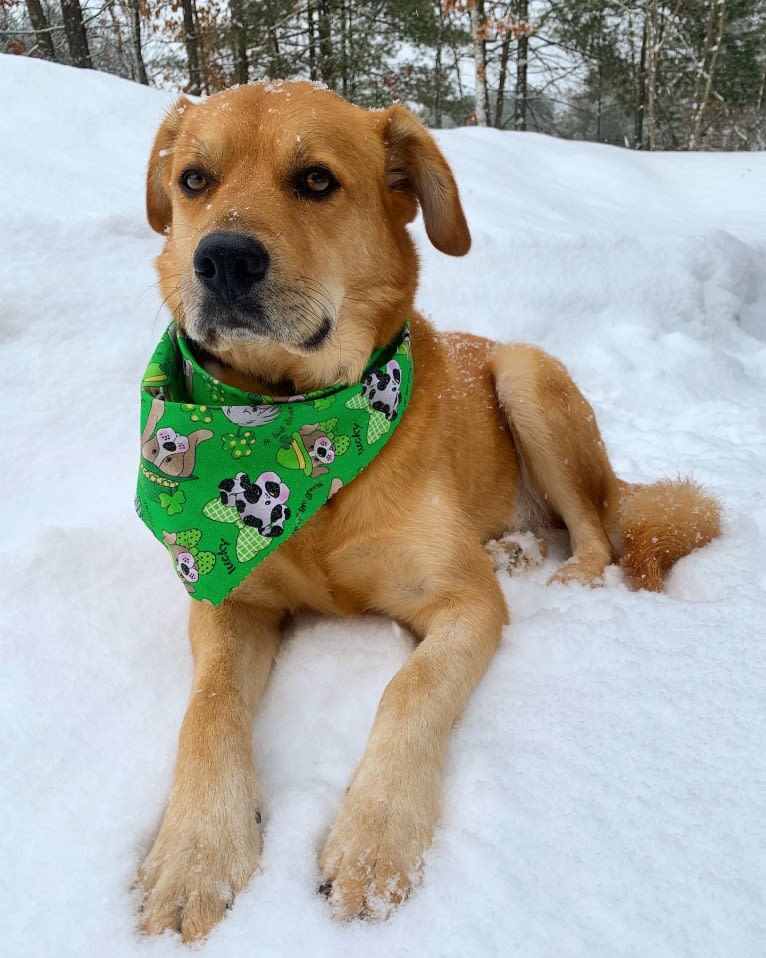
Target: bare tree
pixel 505 53
pixel 134 9
pixel 640 86
pixel 191 42
pixel 239 33
pixel 703 82
pixel 76 37
pixel 523 32
pixel 478 39
pixel 42 31
pixel 326 56
pixel 312 40
pixel 657 33
pixel 438 65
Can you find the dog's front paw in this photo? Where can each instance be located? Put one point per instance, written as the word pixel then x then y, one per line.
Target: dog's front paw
pixel 373 855
pixel 195 869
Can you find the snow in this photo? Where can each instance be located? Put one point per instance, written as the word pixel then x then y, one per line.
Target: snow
pixel 605 790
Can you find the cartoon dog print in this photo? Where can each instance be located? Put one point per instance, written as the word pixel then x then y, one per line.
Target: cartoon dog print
pixel 260 504
pixel 184 562
pixel 186 567
pixel 322 452
pixel 382 388
pixel 167 450
pixel 312 449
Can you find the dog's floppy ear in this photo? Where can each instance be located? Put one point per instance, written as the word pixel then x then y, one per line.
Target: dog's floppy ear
pixel 159 211
pixel 415 165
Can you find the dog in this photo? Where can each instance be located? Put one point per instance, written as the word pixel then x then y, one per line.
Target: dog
pixel 287 262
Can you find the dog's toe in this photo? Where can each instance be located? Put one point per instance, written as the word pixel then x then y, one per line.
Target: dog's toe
pixel 582 573
pixel 373 857
pixel 161 911
pixel 201 913
pixel 192 875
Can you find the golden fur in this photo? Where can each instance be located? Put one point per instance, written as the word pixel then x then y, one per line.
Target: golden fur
pixel 496 438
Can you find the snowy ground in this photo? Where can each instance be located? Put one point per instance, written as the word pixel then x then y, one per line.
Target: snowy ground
pixel 606 788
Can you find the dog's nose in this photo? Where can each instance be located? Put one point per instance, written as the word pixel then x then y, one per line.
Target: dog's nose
pixel 230 264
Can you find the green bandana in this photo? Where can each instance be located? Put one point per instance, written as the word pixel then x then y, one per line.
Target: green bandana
pixel 227 476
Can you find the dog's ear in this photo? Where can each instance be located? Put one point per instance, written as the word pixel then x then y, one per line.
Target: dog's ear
pixel 159 211
pixel 416 167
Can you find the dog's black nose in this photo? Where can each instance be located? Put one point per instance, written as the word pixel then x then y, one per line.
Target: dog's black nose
pixel 230 264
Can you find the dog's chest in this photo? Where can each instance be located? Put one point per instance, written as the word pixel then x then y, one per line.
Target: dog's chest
pixel 306 573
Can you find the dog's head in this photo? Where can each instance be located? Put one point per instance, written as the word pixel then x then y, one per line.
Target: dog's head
pixel 285 210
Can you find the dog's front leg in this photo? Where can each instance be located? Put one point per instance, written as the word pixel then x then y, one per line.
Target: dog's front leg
pixel 209 843
pixel 374 852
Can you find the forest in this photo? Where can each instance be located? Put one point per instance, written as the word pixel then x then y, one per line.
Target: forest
pixel 643 74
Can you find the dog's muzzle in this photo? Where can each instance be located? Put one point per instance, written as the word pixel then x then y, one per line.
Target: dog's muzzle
pixel 238 296
pixel 229 265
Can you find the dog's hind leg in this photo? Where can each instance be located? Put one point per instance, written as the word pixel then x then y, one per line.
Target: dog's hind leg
pixel 563 460
pixel 209 843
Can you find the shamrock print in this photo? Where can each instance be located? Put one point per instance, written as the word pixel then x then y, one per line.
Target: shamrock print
pixel 173 504
pixel 197 413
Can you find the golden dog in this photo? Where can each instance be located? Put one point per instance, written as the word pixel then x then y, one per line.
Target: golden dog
pixel 305 201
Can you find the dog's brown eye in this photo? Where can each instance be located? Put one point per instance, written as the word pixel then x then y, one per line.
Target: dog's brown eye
pixel 316 182
pixel 192 182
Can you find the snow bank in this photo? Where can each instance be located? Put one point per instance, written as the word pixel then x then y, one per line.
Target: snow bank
pixel 605 789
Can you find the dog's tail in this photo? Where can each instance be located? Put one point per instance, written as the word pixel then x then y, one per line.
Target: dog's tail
pixel 660 523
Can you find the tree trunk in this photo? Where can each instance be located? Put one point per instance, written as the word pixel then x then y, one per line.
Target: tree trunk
pixel 522 61
pixel 505 52
pixel 324 29
pixel 438 67
pixel 76 38
pixel 275 71
pixel 599 76
pixel 42 30
pixel 476 13
pixel 138 53
pixel 703 82
pixel 117 45
pixel 761 88
pixel 652 52
pixel 313 71
pixel 345 40
pixel 239 35
pixel 191 41
pixel 641 90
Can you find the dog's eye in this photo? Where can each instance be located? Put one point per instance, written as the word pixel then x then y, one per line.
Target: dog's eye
pixel 316 182
pixel 193 182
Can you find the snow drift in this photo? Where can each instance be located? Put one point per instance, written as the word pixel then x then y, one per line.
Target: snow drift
pixel 605 788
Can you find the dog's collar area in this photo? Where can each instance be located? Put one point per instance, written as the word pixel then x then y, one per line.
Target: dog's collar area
pixel 283 388
pixel 201 385
pixel 244 471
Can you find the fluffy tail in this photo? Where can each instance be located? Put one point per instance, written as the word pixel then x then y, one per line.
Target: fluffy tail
pixel 660 523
